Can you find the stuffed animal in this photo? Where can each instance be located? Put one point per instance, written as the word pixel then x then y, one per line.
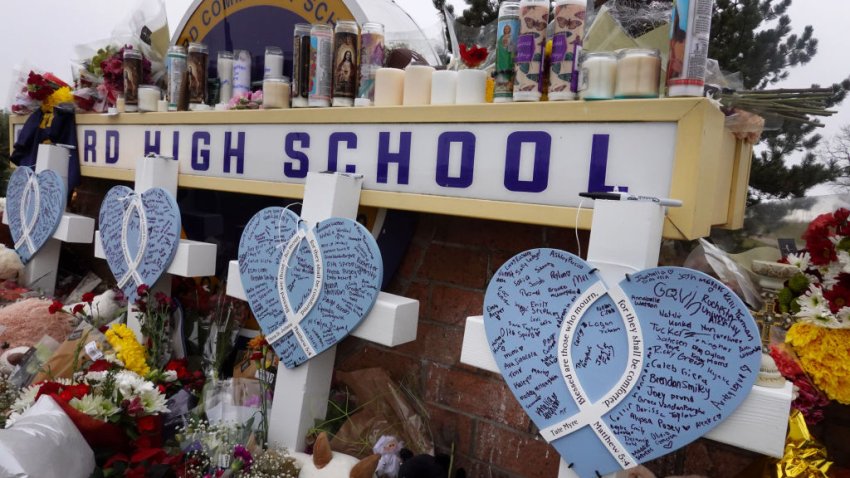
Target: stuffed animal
pixel 325 463
pixel 388 447
pixel 10 263
pixel 24 323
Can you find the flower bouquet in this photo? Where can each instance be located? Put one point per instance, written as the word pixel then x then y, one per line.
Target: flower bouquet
pixel 40 90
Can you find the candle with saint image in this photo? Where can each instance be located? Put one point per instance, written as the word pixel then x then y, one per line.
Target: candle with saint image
pixel 689 37
pixel 345 63
pixel 528 67
pixel 301 65
pixel 197 68
pixel 371 59
pixel 507 32
pixel 132 77
pixel 321 51
pixel 566 48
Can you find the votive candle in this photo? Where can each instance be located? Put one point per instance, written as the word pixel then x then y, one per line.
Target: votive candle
pixel 389 87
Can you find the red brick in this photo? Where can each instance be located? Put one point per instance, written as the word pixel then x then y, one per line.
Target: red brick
pixel 400 367
pixel 435 342
pixel 565 239
pixel 454 265
pixel 425 227
pixel 496 235
pixel 496 260
pixel 479 469
pixel 451 305
pixel 709 458
pixel 516 452
pixel 474 394
pixel 411 261
pixel 450 429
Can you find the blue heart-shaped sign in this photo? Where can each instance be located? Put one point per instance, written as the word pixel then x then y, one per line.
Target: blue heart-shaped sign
pixel 308 287
pixel 618 376
pixel 140 235
pixel 34 205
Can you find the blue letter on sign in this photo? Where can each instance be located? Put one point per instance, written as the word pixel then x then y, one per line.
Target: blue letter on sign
pixel 402 157
pixel 112 141
pixel 349 139
pixel 89 152
pixel 467 159
pixel 599 165
pixel 238 152
pixel 542 147
pixel 200 157
pixel 151 147
pixel 303 160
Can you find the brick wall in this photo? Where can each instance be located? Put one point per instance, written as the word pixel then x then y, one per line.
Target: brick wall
pixel 447 268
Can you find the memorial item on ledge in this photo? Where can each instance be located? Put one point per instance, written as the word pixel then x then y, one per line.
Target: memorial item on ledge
pixel 132 65
pixel 389 87
pixel 569 22
pixel 246 101
pixel 472 82
pixel 224 67
pixel 798 105
pixel 345 48
pixel 598 75
pixel 638 73
pixel 241 72
pixel 444 87
pixel 197 63
pixel 326 463
pixel 177 75
pixel 301 65
pixel 598 351
pixel 531 43
pixel 689 36
pixel 507 32
pixel 321 60
pixel 276 91
pixel 417 85
pixel 273 62
pixel 149 96
pixel 371 60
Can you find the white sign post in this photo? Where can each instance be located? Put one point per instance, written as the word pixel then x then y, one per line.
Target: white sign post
pixel 192 259
pixel 40 272
pixel 301 394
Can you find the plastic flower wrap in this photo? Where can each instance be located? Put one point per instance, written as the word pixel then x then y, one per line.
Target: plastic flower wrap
pixel 809 400
pixel 39 90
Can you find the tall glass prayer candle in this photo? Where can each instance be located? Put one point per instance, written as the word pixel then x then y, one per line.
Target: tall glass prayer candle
pixel 345 63
pixel 224 66
pixel 566 49
pixel 321 51
pixel 175 64
pixel 241 72
pixel 507 32
pixel 132 79
pixel 528 67
pixel 197 67
pixel 273 62
pixel 301 65
pixel 371 59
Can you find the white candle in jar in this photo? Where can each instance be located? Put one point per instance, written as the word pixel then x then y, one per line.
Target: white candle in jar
pixel 443 87
pixel 417 85
pixel 471 87
pixel 149 96
pixel 598 73
pixel 276 93
pixel 224 65
pixel 638 73
pixel 273 65
pixel 241 72
pixel 162 106
pixel 389 87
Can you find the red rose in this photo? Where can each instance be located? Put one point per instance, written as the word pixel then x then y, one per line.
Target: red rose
pixel 99 366
pixel 472 56
pixel 88 297
pixel 79 308
pixel 55 306
pixel 48 388
pixel 147 424
pixel 142 289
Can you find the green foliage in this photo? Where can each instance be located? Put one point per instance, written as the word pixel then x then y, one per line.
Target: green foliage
pixel 479 12
pixel 5 151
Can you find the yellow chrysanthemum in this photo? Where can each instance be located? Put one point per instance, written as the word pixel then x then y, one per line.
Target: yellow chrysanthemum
pixel 62 95
pixel 128 349
pixel 825 355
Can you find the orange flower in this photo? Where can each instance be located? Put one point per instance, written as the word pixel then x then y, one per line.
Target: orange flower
pixel 257 342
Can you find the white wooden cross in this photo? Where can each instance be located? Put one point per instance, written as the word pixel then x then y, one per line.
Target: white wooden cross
pixel 40 272
pixel 301 394
pixel 625 238
pixel 192 259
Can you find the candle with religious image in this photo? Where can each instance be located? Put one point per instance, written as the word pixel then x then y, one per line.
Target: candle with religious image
pixel 301 65
pixel 175 67
pixel 321 52
pixel 371 59
pixel 566 49
pixel 345 63
pixel 528 68
pixel 197 64
pixel 132 77
pixel 507 32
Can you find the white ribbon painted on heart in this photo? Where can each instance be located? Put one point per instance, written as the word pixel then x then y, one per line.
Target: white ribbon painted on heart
pixel 28 226
pixel 590 413
pixel 133 262
pixel 294 318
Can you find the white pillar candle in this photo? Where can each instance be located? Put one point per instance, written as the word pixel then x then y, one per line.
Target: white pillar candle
pixel 149 96
pixel 389 87
pixel 273 64
pixel 417 85
pixel 598 74
pixel 471 87
pixel 443 87
pixel 162 106
pixel 276 93
pixel 224 66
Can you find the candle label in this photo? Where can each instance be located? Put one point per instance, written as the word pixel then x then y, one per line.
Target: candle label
pixel 320 67
pixel 371 58
pixel 132 79
pixel 529 54
pixel 618 374
pixel 241 72
pixel 301 67
pixel 197 77
pixel 345 65
pixel 566 48
pixel 176 76
pixel 506 49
